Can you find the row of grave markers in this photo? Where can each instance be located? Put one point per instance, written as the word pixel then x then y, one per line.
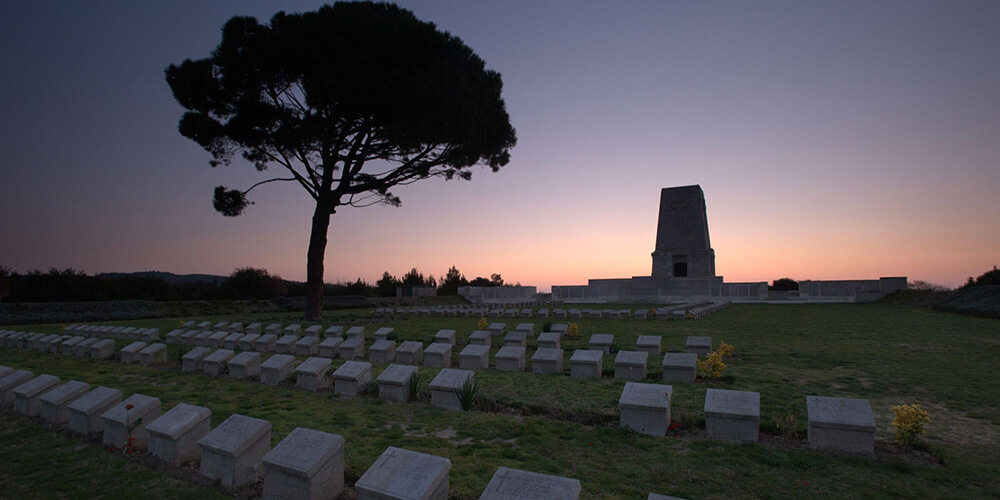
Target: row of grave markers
pixel 306 464
pixel 853 418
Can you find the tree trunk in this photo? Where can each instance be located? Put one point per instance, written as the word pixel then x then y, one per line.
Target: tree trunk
pixel 314 263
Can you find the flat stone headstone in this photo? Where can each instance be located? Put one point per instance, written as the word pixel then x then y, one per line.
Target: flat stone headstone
pixel 352 348
pixel 313 331
pixel 438 355
pixel 174 336
pixel 586 363
pixel 286 344
pixel 732 416
pixel 394 383
pixel 313 374
pixel 307 346
pixel 153 354
pixel 601 342
pixel 85 412
pixel 447 387
pixel 445 337
pixel 217 339
pixel 631 365
pixel 273 328
pixel 245 365
pixel 480 337
pixel 516 338
pixel 5 370
pixel 383 333
pixel 474 357
pixel 220 325
pixel 104 349
pixel 547 361
pixel 130 353
pixel 215 363
pixel 235 327
pixel 497 329
pixel 558 313
pixel 232 340
pixel 193 360
pixel 328 347
pixel 248 342
pixel 266 343
pixel 510 358
pixel 254 328
pixel 549 340
pixel 334 331
pixel 277 369
pixel 699 345
pixel 306 464
pixel 54 404
pixel 410 352
pixel 233 452
pixel 356 332
pixel 120 418
pixel 843 424
pixel 26 394
pixel 404 474
pixel 187 325
pixel 293 329
pixel 188 337
pixel 82 349
pixel 9 382
pixel 527 328
pixel 69 345
pixel 382 351
pixel 523 485
pixel 645 408
pixel 680 367
pixel 201 340
pixel 542 313
pixel 351 378
pixel 649 343
pixel 173 438
pixel 641 314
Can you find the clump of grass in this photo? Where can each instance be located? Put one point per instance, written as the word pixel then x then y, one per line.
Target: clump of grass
pixel 467 396
pixel 414 386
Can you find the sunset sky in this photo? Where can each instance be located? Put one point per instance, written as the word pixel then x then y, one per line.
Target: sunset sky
pixel 833 140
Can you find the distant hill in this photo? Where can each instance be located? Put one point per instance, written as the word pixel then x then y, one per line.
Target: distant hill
pixel 171 278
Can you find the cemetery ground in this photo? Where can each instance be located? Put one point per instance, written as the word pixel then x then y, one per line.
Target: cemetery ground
pixel 887 353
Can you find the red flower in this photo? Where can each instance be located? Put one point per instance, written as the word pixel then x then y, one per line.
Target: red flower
pixel 129 406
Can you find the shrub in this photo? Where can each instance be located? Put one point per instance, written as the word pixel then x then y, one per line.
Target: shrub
pixel 909 423
pixel 414 384
pixel 713 364
pixel 483 324
pixel 572 330
pixel 725 349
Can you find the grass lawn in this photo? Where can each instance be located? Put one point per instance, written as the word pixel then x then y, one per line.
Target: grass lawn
pixel 888 353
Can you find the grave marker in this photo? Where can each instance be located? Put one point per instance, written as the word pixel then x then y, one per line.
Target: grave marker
pixel 645 408
pixel 277 369
pixel 173 438
pixel 523 485
pixel 394 383
pixel 119 419
pixel 232 453
pixel 306 464
pixel 313 374
pixel 85 413
pixel 510 359
pixel 351 378
pixel 405 475
pixel 438 355
pixel 586 364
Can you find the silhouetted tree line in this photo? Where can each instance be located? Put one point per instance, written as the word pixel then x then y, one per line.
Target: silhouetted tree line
pixel 446 285
pixel 245 283
pixel 991 277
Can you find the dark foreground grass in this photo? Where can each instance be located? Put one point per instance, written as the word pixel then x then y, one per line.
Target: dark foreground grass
pixel 890 354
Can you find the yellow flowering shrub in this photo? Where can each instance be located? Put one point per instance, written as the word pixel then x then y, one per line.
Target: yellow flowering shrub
pixel 572 330
pixel 483 324
pixel 712 364
pixel 909 423
pixel 725 349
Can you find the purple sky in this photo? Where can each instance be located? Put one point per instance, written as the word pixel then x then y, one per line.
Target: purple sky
pixel 833 140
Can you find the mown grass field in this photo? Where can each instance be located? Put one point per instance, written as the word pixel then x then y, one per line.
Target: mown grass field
pixel 887 353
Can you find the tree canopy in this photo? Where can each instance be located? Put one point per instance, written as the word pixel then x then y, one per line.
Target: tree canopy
pixel 349 101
